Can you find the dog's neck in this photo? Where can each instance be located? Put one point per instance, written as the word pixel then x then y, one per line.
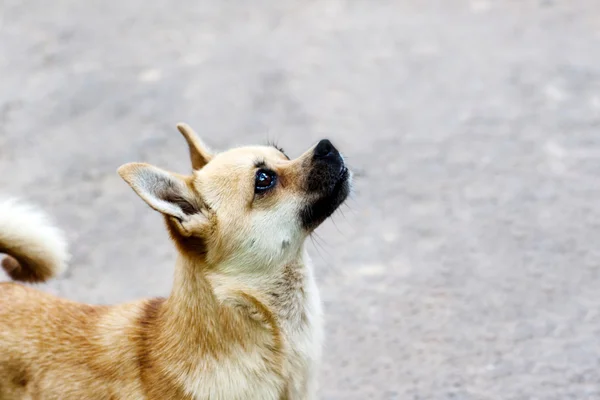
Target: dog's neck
pixel 189 319
pixel 211 313
pixel 199 290
pixel 192 293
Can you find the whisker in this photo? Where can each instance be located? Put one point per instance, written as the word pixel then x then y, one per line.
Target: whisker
pixel 352 210
pixel 318 247
pixel 335 224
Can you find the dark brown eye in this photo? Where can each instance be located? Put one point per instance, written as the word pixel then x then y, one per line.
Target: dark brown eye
pixel 265 180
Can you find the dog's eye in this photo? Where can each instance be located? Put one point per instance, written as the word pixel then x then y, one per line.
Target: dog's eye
pixel 265 180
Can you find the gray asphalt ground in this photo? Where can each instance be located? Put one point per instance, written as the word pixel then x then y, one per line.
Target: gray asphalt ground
pixel 467 264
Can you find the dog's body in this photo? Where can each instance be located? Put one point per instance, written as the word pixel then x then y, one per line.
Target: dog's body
pixel 243 320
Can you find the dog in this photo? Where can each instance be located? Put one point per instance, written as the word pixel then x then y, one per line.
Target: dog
pixel 243 319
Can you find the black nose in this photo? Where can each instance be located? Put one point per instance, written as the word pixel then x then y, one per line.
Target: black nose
pixel 325 149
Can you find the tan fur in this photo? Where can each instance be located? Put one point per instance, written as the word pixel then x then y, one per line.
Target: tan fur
pixel 243 320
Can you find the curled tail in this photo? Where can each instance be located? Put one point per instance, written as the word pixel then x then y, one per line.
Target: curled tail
pixel 37 250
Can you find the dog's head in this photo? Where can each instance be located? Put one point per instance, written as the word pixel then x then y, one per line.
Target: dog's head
pixel 249 207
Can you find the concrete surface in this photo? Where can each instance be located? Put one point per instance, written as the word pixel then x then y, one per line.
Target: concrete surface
pixel 467 264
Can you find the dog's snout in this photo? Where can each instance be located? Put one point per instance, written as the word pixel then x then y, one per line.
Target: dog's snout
pixel 327 183
pixel 325 149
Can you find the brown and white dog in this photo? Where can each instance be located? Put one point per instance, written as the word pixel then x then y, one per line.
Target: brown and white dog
pixel 243 320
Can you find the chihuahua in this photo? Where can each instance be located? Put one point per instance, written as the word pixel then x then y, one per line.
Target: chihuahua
pixel 243 320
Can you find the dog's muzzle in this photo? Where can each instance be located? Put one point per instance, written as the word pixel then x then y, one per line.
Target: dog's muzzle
pixel 327 184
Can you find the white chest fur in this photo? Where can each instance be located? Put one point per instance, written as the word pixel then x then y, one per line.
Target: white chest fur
pixel 304 336
pixel 294 296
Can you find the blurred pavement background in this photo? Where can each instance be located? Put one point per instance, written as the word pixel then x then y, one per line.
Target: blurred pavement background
pixel 467 264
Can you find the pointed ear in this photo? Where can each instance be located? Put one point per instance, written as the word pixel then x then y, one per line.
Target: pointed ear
pixel 199 152
pixel 165 192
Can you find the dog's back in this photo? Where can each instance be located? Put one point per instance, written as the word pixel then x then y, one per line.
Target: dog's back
pixel 66 350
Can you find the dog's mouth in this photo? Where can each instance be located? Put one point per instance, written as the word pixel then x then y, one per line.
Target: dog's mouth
pixel 332 194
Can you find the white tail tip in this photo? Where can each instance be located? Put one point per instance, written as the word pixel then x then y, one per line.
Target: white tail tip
pixel 38 250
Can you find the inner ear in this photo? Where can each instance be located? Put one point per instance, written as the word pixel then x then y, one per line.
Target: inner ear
pixel 200 155
pixel 165 192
